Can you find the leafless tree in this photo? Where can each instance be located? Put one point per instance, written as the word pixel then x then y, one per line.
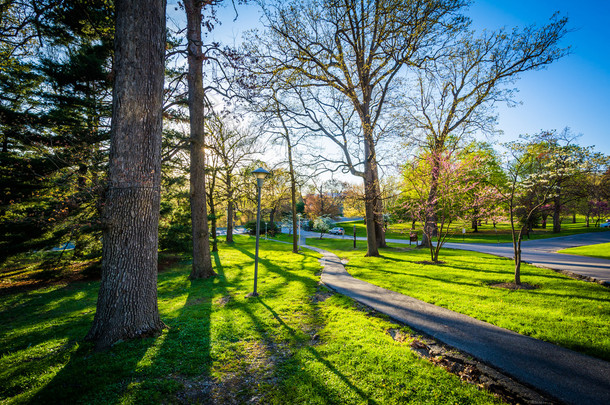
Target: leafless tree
pixel 232 147
pixel 358 49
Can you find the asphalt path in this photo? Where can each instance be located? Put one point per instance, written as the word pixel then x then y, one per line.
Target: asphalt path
pixel 569 376
pixel 540 252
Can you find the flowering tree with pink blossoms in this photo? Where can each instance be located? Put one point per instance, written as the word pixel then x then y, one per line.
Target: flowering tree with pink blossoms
pixel 455 185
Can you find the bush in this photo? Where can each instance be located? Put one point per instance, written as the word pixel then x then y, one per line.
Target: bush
pixel 272 228
pixel 251 227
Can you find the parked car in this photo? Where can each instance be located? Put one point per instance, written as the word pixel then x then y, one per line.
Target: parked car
pixel 337 231
pixel 605 224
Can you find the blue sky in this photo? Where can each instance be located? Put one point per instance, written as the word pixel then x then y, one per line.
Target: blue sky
pixel 572 92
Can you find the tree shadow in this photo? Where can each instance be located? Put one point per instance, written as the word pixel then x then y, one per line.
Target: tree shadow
pixel 182 363
pixel 87 374
pixel 318 357
pixel 300 338
pixel 30 311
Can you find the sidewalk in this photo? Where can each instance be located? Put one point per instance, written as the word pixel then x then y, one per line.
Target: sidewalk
pixel 569 376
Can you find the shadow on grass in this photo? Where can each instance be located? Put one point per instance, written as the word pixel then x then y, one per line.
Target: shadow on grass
pixel 180 366
pixel 298 338
pixel 37 313
pixel 142 370
pixel 318 357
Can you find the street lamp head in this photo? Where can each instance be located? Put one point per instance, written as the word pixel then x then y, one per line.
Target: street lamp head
pixel 260 173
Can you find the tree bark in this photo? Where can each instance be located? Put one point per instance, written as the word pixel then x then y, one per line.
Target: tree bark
pixel 202 259
pixel 127 301
pixel 371 182
pixel 557 214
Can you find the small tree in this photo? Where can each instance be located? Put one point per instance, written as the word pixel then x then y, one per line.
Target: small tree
pixel 322 225
pixel 531 185
pixel 457 187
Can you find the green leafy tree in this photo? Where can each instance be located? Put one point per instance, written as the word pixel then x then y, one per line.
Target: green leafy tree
pixel 54 121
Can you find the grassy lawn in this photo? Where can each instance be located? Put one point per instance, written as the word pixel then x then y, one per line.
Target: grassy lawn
pixel 567 312
pixel 486 233
pixel 601 250
pixel 294 344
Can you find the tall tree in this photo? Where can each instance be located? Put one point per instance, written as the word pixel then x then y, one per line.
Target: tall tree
pixel 358 49
pixel 455 95
pixel 202 259
pixel 54 121
pixel 279 121
pixel 127 301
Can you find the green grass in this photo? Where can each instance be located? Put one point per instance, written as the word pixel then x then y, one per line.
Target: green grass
pixel 571 313
pixel 486 233
pixel 601 250
pixel 284 347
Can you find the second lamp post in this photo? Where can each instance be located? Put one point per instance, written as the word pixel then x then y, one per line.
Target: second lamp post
pixel 260 174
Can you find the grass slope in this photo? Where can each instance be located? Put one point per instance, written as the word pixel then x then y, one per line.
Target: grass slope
pixel 601 250
pixel 295 344
pixel 567 312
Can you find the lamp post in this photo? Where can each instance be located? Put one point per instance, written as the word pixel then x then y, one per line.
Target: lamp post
pixel 260 174
pixel 299 242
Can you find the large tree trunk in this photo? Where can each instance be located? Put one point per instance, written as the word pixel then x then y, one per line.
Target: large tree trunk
pixel 127 300
pixel 379 220
pixel 202 259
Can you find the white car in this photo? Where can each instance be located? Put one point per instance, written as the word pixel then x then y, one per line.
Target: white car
pixel 337 231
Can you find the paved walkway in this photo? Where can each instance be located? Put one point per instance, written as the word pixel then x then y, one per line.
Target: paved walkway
pixel 569 376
